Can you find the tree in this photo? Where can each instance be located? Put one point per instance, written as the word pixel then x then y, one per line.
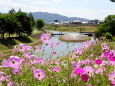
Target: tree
pixel 107 26
pixel 108 36
pixel 55 20
pixel 32 21
pixel 40 24
pixel 12 11
pixel 96 21
pixel 109 23
pixel 24 21
pixel 112 0
pixel 2 25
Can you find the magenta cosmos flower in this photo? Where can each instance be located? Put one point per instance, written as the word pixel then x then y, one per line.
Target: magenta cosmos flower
pixel 78 71
pixel 39 74
pixel 45 38
pixel 85 77
pixel 112 57
pixel 98 61
pixel 106 54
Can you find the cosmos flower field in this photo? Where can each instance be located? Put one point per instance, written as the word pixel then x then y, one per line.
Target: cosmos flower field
pixel 91 65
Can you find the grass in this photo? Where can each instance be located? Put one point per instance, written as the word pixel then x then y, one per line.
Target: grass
pixel 72 28
pixel 8 43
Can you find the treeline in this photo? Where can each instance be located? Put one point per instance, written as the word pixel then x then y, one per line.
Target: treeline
pixel 107 29
pixel 19 23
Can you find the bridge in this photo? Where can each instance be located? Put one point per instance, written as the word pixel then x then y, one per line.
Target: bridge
pixel 84 33
pixel 88 33
pixel 59 33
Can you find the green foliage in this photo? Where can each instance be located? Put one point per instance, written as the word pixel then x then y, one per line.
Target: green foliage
pixel 112 0
pixel 40 24
pixel 108 36
pixel 15 22
pixel 107 26
pixel 32 21
pixel 25 23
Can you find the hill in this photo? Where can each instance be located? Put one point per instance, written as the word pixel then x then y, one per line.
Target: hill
pixel 50 17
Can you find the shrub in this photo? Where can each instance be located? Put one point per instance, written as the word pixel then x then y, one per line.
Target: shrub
pixel 108 36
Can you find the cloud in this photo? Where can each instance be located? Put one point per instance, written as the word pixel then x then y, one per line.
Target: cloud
pixel 25 5
pixel 56 1
pixel 37 2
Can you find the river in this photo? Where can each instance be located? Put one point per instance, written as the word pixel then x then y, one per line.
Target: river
pixel 63 49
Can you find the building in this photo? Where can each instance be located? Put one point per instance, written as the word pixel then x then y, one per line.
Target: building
pixel 76 22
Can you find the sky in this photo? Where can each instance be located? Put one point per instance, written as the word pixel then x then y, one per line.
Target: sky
pixel 90 9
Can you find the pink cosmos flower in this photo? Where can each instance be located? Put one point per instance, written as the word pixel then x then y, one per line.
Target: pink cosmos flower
pixel 78 71
pixel 41 61
pixel 39 74
pixel 45 38
pixel 22 47
pixel 110 63
pixel 100 71
pixel 28 48
pixel 74 64
pixel 57 62
pixel 85 77
pixel 58 43
pixel 112 77
pixel 89 85
pixel 53 53
pixel 86 44
pixel 51 45
pixel 88 70
pixel 91 55
pixel 86 61
pixel 33 68
pixel 27 55
pixel 10 83
pixel 78 51
pixel 104 46
pixel 34 59
pixel 56 69
pixel 2 76
pixel 39 49
pixel 16 70
pixel 13 62
pixel 98 61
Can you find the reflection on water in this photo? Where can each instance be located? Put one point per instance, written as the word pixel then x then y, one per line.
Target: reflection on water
pixel 61 50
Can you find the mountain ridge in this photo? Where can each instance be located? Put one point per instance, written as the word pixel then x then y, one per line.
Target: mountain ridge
pixel 50 17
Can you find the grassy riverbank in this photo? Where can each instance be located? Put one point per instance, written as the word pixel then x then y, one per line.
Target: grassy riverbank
pixel 7 44
pixel 69 70
pixel 72 28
